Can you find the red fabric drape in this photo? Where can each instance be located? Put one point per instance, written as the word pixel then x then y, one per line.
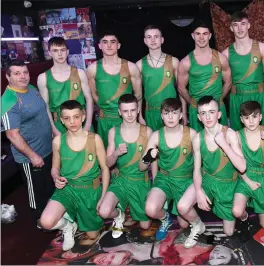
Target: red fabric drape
pixel 221 23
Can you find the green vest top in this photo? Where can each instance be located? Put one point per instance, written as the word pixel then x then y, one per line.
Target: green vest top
pixel 158 82
pixel 110 87
pixel 216 163
pixel 255 159
pixel 79 166
pixel 247 70
pixel 60 92
pixel 127 164
pixel 176 162
pixel 205 79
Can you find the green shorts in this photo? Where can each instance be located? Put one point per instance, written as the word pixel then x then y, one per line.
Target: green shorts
pixel 221 194
pixel 173 187
pixel 133 192
pixel 104 125
pixel 197 125
pixel 153 119
pixel 58 124
pixel 255 197
pixel 80 204
pixel 236 100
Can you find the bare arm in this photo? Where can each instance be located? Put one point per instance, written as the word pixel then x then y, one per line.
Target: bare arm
pixel 226 72
pixel 197 177
pixel 101 155
pixel 45 95
pixel 226 52
pixel 152 144
pixel 91 72
pixel 139 65
pixel 21 145
pixel 88 98
pixel 56 162
pixel 111 151
pixel 137 87
pixel 183 79
pixel 261 48
pixel 154 165
pixel 231 148
pixel 175 63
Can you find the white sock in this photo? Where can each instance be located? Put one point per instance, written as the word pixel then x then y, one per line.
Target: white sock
pixel 60 224
pixel 245 218
pixel 196 221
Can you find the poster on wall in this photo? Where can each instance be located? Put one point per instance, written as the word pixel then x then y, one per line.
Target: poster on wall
pixel 12 51
pixel 70 31
pixel 68 15
pixel 21 53
pixel 76 60
pixel 83 14
pixel 85 30
pixel 29 21
pixel 72 24
pixel 53 16
pixel 17 32
pixel 88 49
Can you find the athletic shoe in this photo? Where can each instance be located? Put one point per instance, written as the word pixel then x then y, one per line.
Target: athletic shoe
pixel 117 225
pixel 164 227
pixel 196 231
pixel 243 230
pixel 68 235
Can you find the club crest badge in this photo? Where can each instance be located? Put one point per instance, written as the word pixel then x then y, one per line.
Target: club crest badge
pixel 124 80
pixel 75 86
pixel 90 157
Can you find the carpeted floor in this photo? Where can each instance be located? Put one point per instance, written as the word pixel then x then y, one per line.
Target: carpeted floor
pixel 139 247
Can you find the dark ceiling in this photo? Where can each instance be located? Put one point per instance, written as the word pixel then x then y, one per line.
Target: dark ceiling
pixel 112 4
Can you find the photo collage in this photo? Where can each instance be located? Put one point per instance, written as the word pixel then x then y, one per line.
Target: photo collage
pixel 18 27
pixel 74 25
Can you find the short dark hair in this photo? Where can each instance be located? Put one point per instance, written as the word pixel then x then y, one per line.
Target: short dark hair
pixel 201 24
pixel 57 41
pixel 153 27
pixel 206 100
pixel 238 16
pixel 108 32
pixel 250 107
pixel 127 98
pixel 70 105
pixel 14 63
pixel 171 104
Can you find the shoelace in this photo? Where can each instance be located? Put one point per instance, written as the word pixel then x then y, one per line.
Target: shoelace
pixel 193 235
pixel 118 224
pixel 164 225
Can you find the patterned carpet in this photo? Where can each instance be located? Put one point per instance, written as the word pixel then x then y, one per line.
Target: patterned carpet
pixel 136 246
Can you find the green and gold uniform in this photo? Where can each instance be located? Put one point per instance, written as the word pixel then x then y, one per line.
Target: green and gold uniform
pixel 109 88
pixel 175 173
pixel 255 172
pixel 158 85
pixel 205 80
pixel 83 190
pixel 60 92
pixel 219 179
pixel 130 185
pixel 247 81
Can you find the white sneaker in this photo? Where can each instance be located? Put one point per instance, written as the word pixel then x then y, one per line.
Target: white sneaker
pixel 68 235
pixel 196 231
pixel 117 225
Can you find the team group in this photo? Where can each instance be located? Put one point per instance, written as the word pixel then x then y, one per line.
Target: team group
pixel 219 168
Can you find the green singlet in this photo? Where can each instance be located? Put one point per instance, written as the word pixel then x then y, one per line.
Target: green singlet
pixel 255 172
pixel 82 191
pixel 175 167
pixel 158 85
pixel 60 92
pixel 219 179
pixel 205 80
pixel 247 80
pixel 130 185
pixel 109 88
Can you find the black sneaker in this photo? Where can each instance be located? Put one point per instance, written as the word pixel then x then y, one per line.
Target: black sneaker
pixel 243 231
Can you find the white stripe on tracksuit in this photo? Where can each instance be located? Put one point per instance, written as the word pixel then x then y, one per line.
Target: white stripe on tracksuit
pixel 5 120
pixel 32 202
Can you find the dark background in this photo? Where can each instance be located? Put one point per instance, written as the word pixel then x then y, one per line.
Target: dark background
pixel 128 19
